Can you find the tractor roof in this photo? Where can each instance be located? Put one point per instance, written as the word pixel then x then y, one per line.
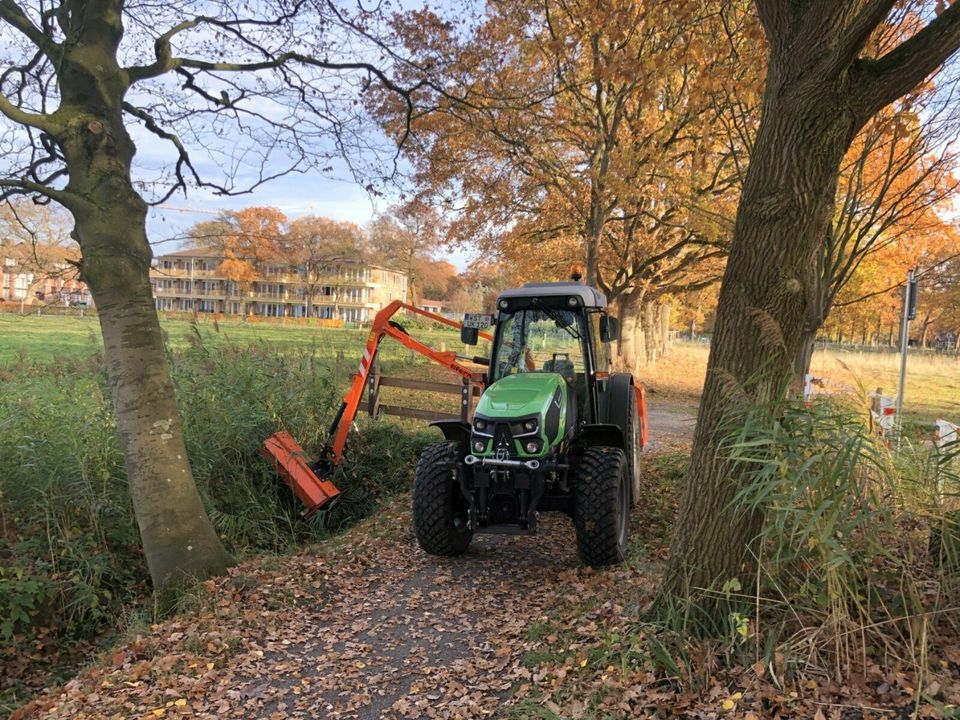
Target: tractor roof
pixel 590 297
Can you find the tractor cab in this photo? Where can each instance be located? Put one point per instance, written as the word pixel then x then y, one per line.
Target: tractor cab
pixel 556 328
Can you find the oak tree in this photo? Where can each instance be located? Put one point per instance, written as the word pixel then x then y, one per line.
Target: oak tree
pixel 823 85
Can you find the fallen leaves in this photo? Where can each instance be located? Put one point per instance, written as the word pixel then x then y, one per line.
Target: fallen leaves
pixel 367 626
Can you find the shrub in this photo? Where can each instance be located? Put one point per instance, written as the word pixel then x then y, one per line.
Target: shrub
pixel 840 562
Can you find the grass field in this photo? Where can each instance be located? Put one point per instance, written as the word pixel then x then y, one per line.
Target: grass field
pixel 932 390
pixel 33 339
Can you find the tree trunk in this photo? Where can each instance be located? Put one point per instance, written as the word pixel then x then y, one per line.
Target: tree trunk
pixel 784 213
pixel 178 540
pixel 650 331
pixel 629 311
pixel 666 312
pixel 802 359
pixel 640 342
pixel 924 328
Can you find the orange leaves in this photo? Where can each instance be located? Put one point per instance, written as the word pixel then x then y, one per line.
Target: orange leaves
pixel 238 270
pixel 598 115
pixel 263 235
pixel 256 232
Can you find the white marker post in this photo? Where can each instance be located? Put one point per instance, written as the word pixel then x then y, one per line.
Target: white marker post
pixel 909 313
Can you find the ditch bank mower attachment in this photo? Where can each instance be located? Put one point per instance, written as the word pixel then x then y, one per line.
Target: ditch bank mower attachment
pixel 289 461
pixel 311 482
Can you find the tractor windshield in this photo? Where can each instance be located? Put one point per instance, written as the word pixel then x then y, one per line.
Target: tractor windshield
pixel 541 340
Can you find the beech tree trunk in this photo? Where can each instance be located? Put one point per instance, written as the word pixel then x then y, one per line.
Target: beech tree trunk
pixel 650 331
pixel 178 540
pixel 819 93
pixel 629 311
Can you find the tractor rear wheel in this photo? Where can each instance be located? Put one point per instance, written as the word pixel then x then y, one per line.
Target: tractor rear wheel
pixel 601 512
pixel 440 511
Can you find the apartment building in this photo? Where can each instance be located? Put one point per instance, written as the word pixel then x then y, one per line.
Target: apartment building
pixel 41 275
pixel 201 281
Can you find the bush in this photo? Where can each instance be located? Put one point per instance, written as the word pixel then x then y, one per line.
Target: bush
pixel 70 556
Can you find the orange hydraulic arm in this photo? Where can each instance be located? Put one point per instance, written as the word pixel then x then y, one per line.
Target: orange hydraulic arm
pixel 310 483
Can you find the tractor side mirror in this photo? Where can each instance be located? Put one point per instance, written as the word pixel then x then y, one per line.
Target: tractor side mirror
pixel 609 328
pixel 469 335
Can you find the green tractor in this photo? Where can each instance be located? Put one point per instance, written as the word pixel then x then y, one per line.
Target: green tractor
pixel 553 431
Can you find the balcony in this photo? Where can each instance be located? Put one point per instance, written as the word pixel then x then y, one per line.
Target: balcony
pixel 187 293
pixel 275 297
pixel 160 272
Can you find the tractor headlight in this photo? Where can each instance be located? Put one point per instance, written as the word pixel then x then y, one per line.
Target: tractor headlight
pixel 480 425
pixel 573 301
pixel 479 445
pixel 532 446
pixel 530 425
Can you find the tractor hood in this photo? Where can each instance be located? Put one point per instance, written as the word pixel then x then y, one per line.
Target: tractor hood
pixel 519 395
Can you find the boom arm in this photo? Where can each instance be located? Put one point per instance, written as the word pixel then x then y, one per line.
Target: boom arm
pixel 311 483
pixel 383 327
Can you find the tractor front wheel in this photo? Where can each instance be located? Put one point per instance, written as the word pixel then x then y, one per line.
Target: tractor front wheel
pixel 601 512
pixel 440 511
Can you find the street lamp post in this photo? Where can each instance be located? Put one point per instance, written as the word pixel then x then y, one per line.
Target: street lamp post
pixel 909 313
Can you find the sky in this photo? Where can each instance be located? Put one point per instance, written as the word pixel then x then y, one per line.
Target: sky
pixel 307 194
pixel 311 193
pixel 329 194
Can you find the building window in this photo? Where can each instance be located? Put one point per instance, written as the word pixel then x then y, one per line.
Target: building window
pixel 270 309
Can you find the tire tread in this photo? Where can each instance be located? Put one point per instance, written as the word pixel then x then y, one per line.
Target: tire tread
pixel 432 502
pixel 596 511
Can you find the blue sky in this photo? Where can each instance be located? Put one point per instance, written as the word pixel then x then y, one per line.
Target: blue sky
pixel 307 194
pixel 331 194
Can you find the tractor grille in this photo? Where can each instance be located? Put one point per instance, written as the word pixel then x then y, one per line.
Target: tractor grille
pixel 503 440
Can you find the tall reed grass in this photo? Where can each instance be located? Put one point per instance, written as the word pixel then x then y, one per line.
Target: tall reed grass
pixel 70 557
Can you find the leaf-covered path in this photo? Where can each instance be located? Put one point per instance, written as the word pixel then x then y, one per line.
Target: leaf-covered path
pixel 362 626
pixel 366 627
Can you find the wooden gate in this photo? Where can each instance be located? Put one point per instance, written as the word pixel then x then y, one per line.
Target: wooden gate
pixel 468 391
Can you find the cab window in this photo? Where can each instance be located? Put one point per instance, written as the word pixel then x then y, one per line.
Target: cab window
pixel 541 340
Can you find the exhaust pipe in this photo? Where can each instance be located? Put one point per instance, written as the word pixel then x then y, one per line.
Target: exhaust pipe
pixel 493 462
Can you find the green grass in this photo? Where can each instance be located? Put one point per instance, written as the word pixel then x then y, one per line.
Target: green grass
pixel 70 561
pixel 32 338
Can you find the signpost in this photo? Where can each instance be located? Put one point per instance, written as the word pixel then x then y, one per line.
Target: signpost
pixel 909 313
